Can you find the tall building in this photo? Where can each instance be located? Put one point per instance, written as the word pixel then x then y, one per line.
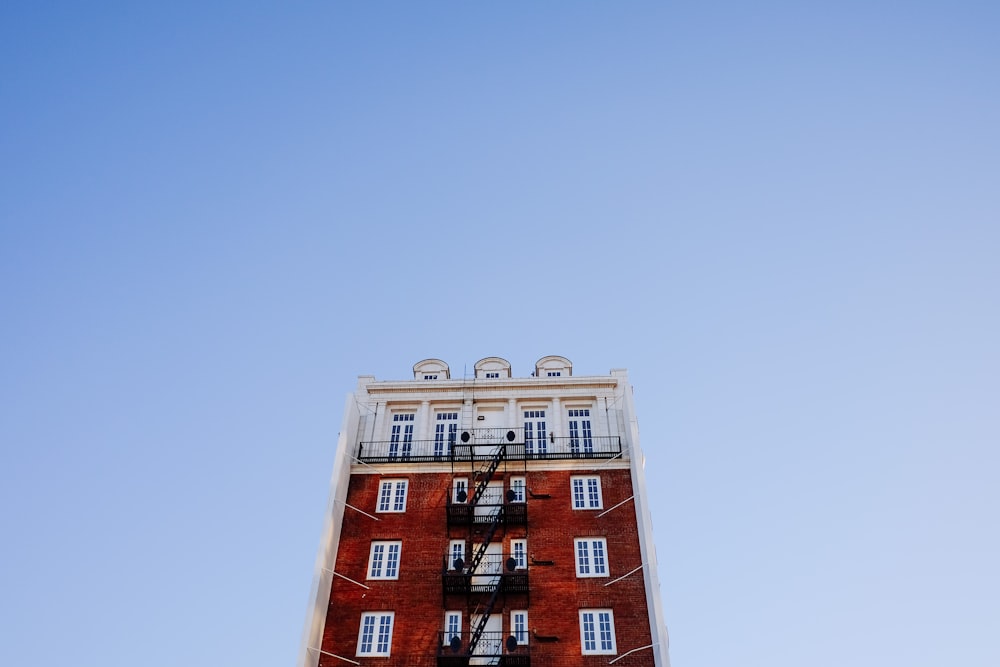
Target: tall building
pixel 489 520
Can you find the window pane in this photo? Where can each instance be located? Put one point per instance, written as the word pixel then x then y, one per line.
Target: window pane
pixel 600 566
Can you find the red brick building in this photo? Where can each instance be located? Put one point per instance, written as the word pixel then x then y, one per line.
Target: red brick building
pixel 490 520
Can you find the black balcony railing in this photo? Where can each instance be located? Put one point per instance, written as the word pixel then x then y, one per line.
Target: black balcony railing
pixel 508 572
pixel 590 447
pixel 464 514
pixel 493 648
pixel 482 446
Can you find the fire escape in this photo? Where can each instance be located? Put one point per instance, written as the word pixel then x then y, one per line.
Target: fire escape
pixel 487 579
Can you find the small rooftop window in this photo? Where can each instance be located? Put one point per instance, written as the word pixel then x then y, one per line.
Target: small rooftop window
pixel 553 367
pixel 431 369
pixel 492 368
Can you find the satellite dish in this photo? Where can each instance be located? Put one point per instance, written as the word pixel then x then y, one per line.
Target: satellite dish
pixel 462 496
pixel 456 644
pixel 511 564
pixel 511 643
pixel 511 495
pixel 458 563
pixel 510 436
pixel 465 436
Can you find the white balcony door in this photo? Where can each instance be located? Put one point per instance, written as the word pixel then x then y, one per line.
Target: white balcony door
pixel 491 500
pixel 490 567
pixel 490 647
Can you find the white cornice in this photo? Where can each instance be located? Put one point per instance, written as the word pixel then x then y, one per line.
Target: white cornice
pixel 481 387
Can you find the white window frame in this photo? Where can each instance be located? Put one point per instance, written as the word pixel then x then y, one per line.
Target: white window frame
pixel 591 556
pixel 581 432
pixel 448 631
pixel 535 431
pixel 454 547
pixel 445 431
pixel 522 634
pixel 391 504
pixel 519 555
pixel 378 623
pixel 553 374
pixel 587 499
pixel 385 555
pixel 492 375
pixel 519 489
pixel 598 639
pixel 431 376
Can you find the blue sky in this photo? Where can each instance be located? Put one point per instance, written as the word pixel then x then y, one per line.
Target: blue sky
pixel 783 218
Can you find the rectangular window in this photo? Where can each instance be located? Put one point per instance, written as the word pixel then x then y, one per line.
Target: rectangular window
pixel 519 551
pixel 587 493
pixel 597 632
pixel 535 441
pixel 517 486
pixel 456 552
pixel 581 438
pixel 445 433
pixel 392 496
pixel 430 377
pixel 553 374
pixel 375 635
pixel 452 625
pixel 460 490
pixel 591 557
pixel 401 436
pixel 492 375
pixel 519 626
pixel 383 561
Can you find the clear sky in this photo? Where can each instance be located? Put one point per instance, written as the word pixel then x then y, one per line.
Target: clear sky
pixel 782 217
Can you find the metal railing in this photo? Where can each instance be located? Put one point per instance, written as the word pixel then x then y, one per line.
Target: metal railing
pixel 481 448
pixel 501 571
pixel 453 649
pixel 509 514
pixel 590 447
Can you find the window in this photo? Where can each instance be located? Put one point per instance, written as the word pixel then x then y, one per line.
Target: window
pixel 460 488
pixel 401 434
pixel 534 432
pixel 456 552
pixel 431 377
pixel 553 374
pixel 445 430
pixel 492 375
pixel 518 551
pixel 587 493
pixel 383 561
pixel 392 496
pixel 375 635
pixel 517 486
pixel 597 631
pixel 580 434
pixel 452 625
pixel 591 557
pixel 519 626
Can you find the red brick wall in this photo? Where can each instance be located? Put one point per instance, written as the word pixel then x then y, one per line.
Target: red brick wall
pixel 556 595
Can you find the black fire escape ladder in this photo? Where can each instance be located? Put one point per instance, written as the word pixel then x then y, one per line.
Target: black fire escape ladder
pixel 484 616
pixel 486 474
pixel 487 538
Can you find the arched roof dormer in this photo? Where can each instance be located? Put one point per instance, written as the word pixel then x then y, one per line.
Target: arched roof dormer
pixel 553 366
pixel 431 369
pixel 492 368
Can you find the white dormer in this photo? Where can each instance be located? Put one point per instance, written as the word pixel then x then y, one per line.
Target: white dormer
pixel 553 366
pixel 431 369
pixel 492 368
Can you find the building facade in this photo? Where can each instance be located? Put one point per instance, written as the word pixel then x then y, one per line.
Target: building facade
pixel 490 520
